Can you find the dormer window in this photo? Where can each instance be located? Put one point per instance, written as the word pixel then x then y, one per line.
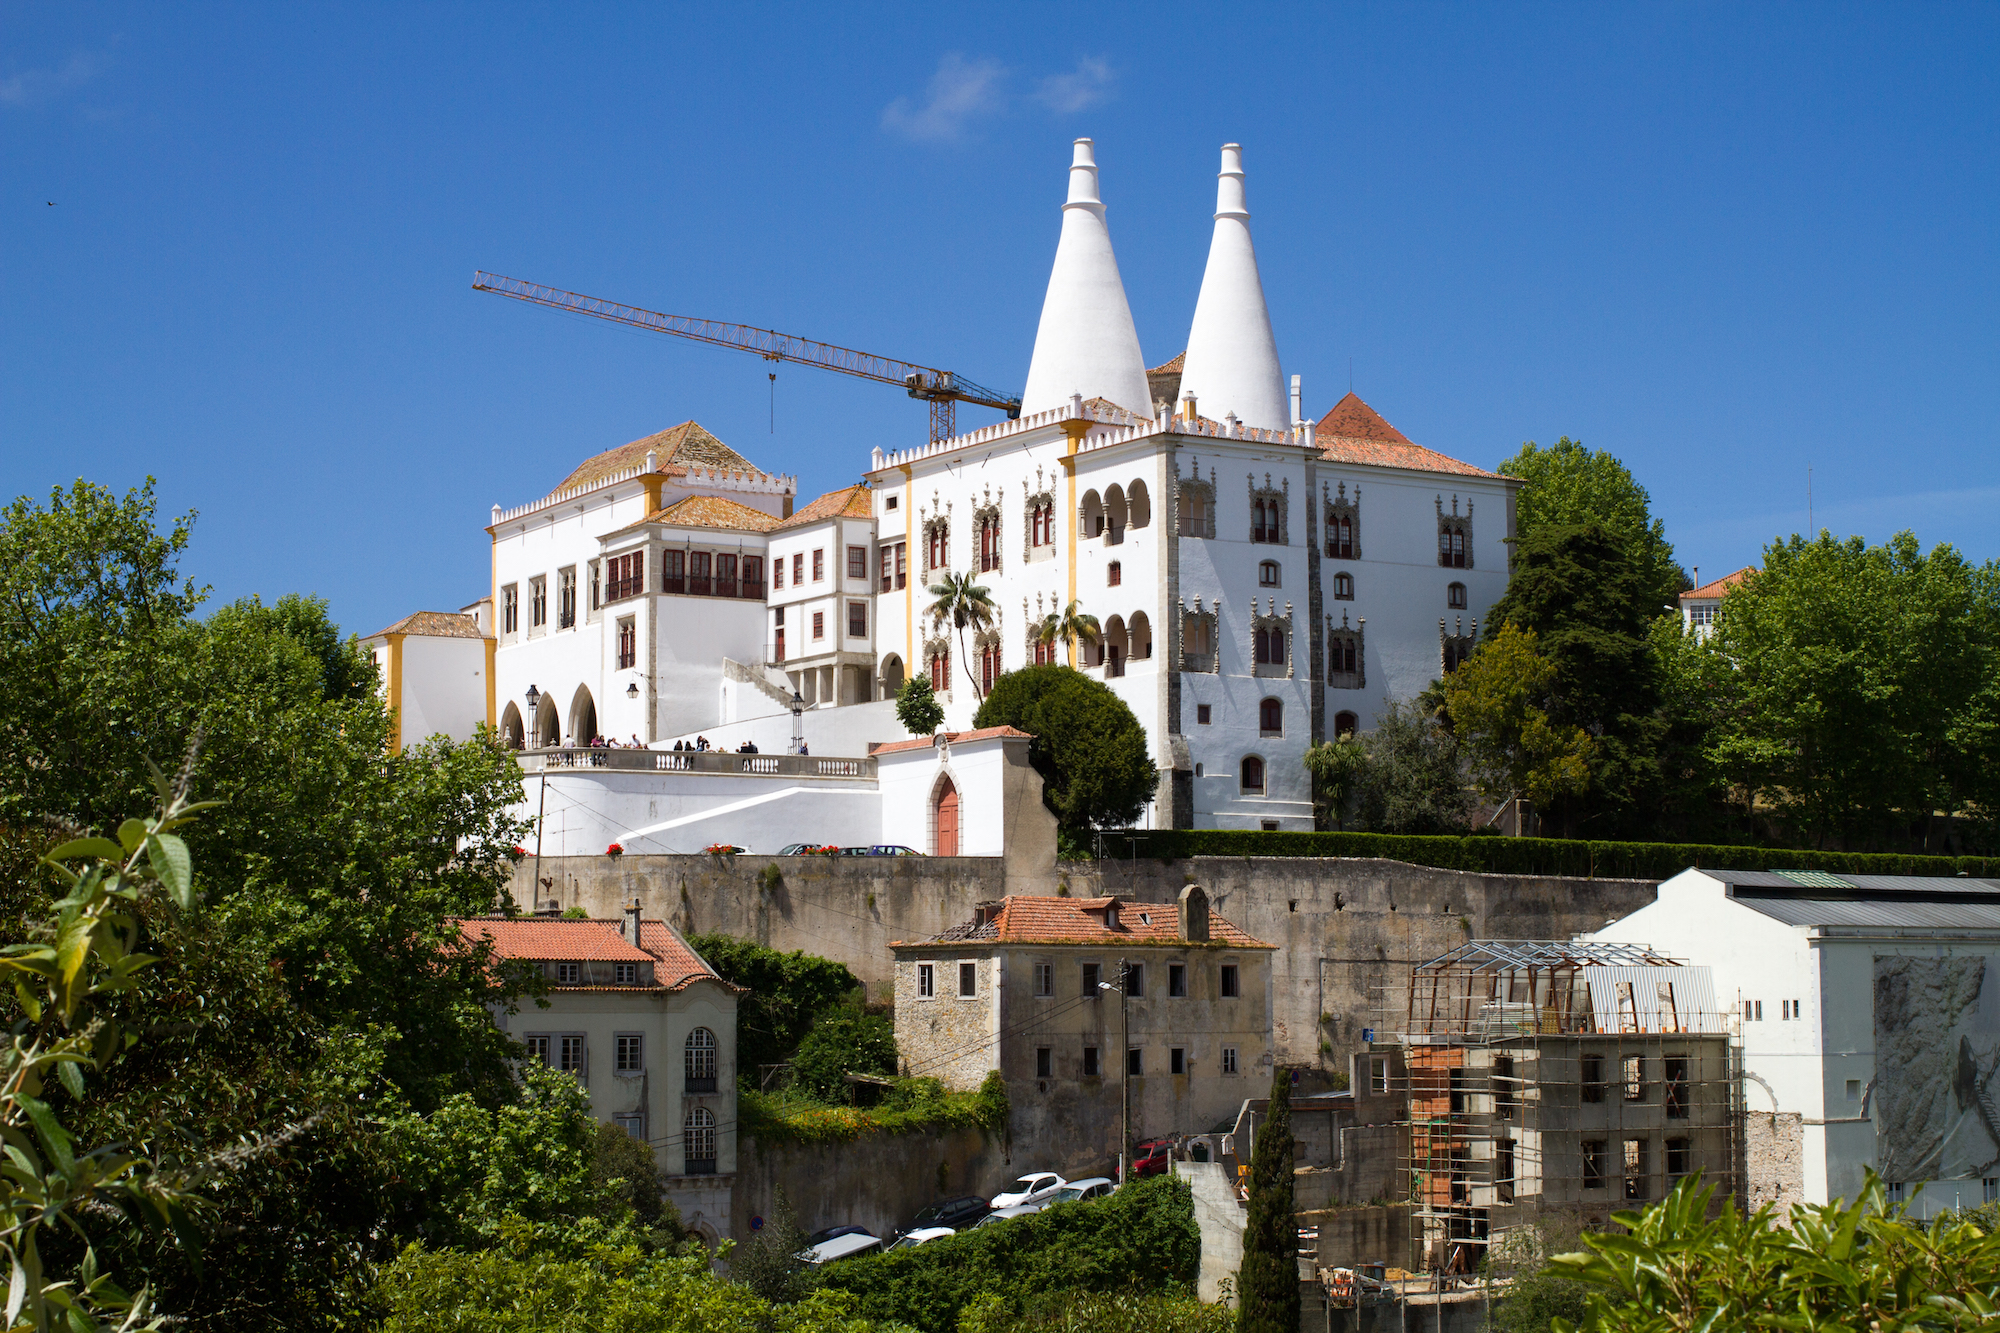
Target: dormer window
pixel 569 974
pixel 1111 917
pixel 626 974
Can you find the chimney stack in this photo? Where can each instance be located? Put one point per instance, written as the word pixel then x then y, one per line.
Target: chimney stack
pixel 632 923
pixel 1193 909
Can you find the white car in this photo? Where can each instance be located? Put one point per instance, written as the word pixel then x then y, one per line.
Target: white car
pixel 1034 1188
pixel 919 1236
pixel 1008 1214
pixel 1094 1188
pixel 843 1247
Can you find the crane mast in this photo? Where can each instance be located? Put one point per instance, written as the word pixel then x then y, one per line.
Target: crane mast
pixel 942 389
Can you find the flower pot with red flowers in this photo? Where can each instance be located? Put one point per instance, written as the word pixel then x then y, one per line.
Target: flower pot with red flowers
pixel 615 849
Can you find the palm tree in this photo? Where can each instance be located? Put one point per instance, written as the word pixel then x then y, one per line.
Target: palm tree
pixel 1069 625
pixel 963 603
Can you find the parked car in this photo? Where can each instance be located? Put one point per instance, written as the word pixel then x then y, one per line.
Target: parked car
pixel 843 1247
pixel 909 1240
pixel 1151 1158
pixel 892 849
pixel 960 1213
pixel 999 1215
pixel 1079 1190
pixel 1034 1188
pixel 833 1232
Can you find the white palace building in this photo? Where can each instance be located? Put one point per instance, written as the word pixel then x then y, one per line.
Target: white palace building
pixel 1263 580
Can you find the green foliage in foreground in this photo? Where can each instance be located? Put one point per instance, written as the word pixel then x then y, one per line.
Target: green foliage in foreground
pixel 1542 856
pixel 913 1106
pixel 1268 1281
pixel 1140 1240
pixel 1838 1266
pixel 1099 1312
pixel 1089 747
pixel 788 991
pixel 917 707
pixel 839 1044
pixel 521 1286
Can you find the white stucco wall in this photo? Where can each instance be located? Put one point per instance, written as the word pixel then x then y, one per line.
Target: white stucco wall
pixel 909 781
pixel 589 809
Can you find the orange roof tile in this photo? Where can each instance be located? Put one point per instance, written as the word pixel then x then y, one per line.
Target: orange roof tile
pixel 955 737
pixel 1711 591
pixel 435 625
pixel 1030 920
pixel 564 939
pixel 1172 367
pixel 688 444
pixel 849 502
pixel 1354 432
pixel 679 965
pixel 706 511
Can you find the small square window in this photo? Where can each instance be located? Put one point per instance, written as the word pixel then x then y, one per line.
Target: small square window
pixel 1854 1090
pixel 1229 1059
pixel 1045 978
pixel 1270 826
pixel 632 1123
pixel 1201 714
pixel 1177 1060
pixel 1177 979
pixel 968 980
pixel 1231 985
pixel 625 974
pixel 1090 1068
pixel 569 974
pixel 1135 1062
pixel 1045 1062
pixel 538 1046
pixel 631 1052
pixel 926 980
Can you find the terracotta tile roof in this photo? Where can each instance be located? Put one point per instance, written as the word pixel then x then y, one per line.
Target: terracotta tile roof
pixel 1711 591
pixel 1172 367
pixel 561 939
pixel 850 502
pixel 1354 432
pixel 955 737
pixel 707 511
pixel 434 625
pixel 1026 920
pixel 688 444
pixel 1102 403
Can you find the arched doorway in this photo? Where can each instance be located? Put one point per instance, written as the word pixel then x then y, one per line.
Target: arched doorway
pixel 511 733
pixel 945 810
pixel 892 675
pixel 548 724
pixel 582 716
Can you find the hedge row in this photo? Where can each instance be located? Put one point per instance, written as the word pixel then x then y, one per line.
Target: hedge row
pixel 1531 856
pixel 1141 1239
pixel 778 1119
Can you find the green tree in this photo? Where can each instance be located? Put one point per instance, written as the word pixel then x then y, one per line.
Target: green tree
pixel 917 707
pixel 956 598
pixel 624 1168
pixel 1339 771
pixel 1414 781
pixel 1267 1285
pixel 774 1263
pixel 1860 688
pixel 841 1043
pixel 1098 1312
pixel 1571 486
pixel 1088 747
pixel 1496 704
pixel 1071 626
pixel 787 994
pixel 1584 597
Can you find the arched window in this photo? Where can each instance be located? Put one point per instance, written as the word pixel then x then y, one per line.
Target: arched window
pixel 989 542
pixel 701 1061
pixel 698 1141
pixel 1345 724
pixel 1451 546
pixel 1340 654
pixel 1340 538
pixel 941 670
pixel 1454 596
pixel 1267 574
pixel 938 551
pixel 1271 717
pixel 1270 646
pixel 1140 505
pixel 1343 587
pixel 1090 515
pixel 1194 510
pixel 1263 521
pixel 1253 774
pixel 892 674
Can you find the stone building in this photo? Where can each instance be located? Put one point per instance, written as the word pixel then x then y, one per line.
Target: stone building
pixel 649 1030
pixel 1062 994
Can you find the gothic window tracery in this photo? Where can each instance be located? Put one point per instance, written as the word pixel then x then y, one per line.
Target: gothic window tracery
pixel 1346 654
pixel 986 520
pixel 1198 638
pixel 1271 642
pixel 1194 502
pixel 1454 535
pixel 1343 523
pixel 1455 645
pixel 1270 512
pixel 1038 520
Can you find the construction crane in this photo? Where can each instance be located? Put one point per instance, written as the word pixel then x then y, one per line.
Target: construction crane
pixel 942 389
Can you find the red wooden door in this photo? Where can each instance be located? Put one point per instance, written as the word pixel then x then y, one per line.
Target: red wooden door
pixel 947 820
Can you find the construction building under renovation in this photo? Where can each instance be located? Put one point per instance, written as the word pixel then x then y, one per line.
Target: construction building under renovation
pixel 1577 1075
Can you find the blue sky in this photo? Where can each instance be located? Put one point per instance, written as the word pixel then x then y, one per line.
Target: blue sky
pixel 1726 242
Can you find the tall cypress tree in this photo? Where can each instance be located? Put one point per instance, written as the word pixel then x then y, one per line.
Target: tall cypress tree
pixel 1268 1283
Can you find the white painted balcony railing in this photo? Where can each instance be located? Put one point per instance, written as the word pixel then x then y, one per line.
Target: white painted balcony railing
pixel 694 761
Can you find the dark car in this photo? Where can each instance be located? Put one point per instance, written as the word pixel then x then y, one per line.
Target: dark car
pixel 818 1237
pixel 957 1214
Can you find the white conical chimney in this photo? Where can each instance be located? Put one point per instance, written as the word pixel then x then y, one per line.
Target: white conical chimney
pixel 1232 359
pixel 1086 344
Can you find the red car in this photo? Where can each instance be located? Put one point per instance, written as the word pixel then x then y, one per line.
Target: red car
pixel 1151 1157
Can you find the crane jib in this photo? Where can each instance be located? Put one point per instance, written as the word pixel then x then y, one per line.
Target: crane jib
pixel 919 381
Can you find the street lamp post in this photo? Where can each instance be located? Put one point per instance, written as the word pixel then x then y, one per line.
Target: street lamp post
pixel 798 722
pixel 1123 985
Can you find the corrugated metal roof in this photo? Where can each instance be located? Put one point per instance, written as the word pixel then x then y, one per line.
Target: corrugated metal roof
pixel 1891 912
pixel 1664 999
pixel 1804 883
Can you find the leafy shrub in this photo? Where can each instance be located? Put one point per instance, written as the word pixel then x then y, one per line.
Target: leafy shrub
pixel 787 992
pixel 1089 747
pixel 913 1106
pixel 841 1043
pixel 1099 1312
pixel 1140 1240
pixel 1541 856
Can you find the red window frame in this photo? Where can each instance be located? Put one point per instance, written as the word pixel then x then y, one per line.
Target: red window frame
pixel 798 569
pixel 857 562
pixel 1114 574
pixel 628 575
pixel 628 644
pixel 819 564
pixel 941 671
pixel 857 620
pixel 819 624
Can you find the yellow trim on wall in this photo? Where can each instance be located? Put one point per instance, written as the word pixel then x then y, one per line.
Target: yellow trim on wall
pixel 909 588
pixel 1075 430
pixel 395 694
pixel 492 687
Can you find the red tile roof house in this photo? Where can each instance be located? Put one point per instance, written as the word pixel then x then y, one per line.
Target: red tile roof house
pixel 1022 988
pixel 649 1029
pixel 1698 607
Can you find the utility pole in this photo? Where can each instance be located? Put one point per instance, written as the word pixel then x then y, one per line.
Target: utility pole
pixel 1124 1071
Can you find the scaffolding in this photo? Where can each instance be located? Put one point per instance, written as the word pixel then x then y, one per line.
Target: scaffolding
pixel 1547 1084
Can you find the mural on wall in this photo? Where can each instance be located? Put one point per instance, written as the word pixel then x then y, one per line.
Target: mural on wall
pixel 1937 1046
